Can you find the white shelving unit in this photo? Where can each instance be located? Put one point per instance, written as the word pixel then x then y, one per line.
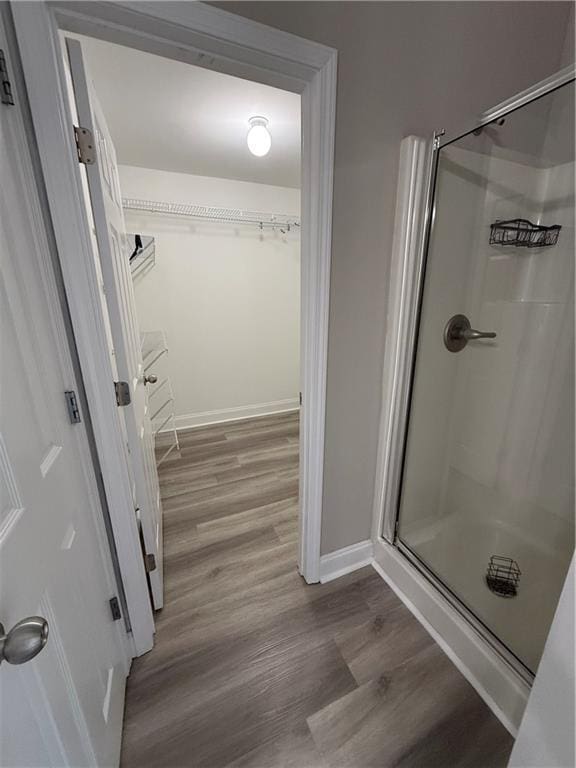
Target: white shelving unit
pixel 261 219
pixel 145 258
pixel 160 395
pixel 154 345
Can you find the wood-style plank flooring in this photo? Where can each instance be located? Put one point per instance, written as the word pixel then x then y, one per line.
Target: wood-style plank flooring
pixel 252 667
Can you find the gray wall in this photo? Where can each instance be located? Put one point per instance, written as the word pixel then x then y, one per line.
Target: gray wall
pixel 404 68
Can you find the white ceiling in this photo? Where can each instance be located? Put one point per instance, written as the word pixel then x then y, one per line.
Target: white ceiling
pixel 173 116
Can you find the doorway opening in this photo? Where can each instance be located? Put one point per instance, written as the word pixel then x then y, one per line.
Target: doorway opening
pixel 198 233
pixel 216 41
pixel 114 383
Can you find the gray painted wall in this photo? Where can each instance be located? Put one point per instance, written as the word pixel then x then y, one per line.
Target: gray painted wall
pixel 404 68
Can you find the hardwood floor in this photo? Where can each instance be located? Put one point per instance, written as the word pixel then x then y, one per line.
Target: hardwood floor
pixel 254 668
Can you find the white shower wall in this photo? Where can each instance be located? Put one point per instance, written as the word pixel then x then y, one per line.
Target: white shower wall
pixel 227 296
pixel 511 453
pixel 510 430
pixel 459 190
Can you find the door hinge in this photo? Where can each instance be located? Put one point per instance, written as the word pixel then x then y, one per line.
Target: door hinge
pixel 437 136
pixel 72 406
pixel 85 145
pixel 150 562
pixel 115 609
pixel 300 398
pixel 6 96
pixel 122 393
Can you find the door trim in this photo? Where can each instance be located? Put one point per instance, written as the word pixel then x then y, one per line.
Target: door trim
pixel 209 37
pixel 55 140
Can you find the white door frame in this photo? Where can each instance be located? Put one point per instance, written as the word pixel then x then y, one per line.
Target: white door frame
pixel 208 37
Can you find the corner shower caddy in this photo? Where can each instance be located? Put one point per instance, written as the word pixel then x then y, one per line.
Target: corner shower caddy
pixel 503 576
pixel 522 233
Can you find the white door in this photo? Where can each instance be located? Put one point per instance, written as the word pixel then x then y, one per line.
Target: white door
pixel 106 203
pixel 64 706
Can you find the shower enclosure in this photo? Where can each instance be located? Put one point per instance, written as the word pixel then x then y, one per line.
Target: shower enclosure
pixel 486 491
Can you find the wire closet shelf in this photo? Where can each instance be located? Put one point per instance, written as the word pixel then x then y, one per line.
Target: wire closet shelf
pixel 209 213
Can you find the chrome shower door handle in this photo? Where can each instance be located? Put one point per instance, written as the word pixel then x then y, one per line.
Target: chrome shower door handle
pixel 458 332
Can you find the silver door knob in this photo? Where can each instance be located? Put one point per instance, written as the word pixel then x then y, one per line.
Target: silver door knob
pixel 458 332
pixel 152 379
pixel 24 641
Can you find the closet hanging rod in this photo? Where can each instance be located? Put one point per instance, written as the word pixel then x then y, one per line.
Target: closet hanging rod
pixel 210 213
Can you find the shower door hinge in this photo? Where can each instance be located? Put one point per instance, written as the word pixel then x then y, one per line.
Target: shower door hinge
pixel 85 145
pixel 72 406
pixel 6 96
pixel 122 390
pixel 150 562
pixel 300 397
pixel 437 136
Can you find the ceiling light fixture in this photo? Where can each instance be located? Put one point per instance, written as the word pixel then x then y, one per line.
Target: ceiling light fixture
pixel 258 138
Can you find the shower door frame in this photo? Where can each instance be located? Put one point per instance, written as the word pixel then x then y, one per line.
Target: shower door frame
pixel 413 228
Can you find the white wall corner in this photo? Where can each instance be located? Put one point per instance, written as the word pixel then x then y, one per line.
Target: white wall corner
pixel 345 560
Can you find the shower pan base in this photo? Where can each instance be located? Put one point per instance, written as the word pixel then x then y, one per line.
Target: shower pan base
pixel 491 672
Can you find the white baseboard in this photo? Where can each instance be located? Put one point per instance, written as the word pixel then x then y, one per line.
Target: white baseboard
pixel 502 689
pixel 205 418
pixel 345 560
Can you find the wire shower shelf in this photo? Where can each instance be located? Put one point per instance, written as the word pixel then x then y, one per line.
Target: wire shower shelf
pixel 502 576
pixel 522 233
pixel 210 213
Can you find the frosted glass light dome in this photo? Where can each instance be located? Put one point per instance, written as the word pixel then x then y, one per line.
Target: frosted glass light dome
pixel 258 138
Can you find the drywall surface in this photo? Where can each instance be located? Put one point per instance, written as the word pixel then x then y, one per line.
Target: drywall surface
pixel 403 68
pixel 546 735
pixel 227 296
pixel 191 119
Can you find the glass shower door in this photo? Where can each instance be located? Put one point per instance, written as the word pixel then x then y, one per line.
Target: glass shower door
pixel 487 494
